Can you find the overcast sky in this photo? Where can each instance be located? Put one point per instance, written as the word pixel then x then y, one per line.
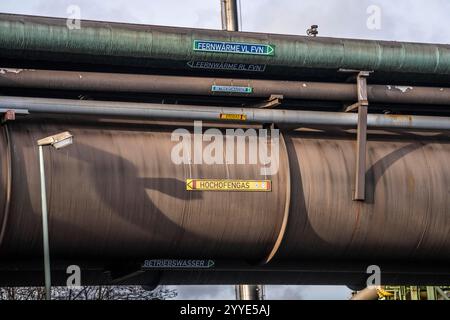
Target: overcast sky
pixel 271 292
pixel 401 20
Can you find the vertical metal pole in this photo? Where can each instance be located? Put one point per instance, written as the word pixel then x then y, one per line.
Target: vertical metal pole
pixel 240 288
pixel 261 292
pixel 249 292
pixel 229 15
pixel 361 154
pixel 223 10
pixel 431 294
pixel 45 227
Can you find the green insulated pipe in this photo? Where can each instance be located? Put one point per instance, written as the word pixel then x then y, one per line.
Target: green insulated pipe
pixel 37 37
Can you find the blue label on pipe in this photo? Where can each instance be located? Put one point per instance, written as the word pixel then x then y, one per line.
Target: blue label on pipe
pixel 227 66
pixel 234 47
pixel 232 89
pixel 177 264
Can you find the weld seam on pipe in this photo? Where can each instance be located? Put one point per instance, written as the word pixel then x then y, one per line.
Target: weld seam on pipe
pixel 287 206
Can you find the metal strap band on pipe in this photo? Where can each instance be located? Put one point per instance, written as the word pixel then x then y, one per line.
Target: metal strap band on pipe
pixel 186 112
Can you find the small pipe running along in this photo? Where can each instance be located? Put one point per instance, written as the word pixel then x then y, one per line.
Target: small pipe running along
pixel 208 113
pixel 116 82
pixel 229 15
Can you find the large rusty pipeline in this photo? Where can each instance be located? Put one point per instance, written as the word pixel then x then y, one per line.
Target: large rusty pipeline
pixel 116 82
pixel 209 113
pixel 116 195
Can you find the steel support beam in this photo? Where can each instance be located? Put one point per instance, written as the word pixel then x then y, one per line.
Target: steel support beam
pixel 273 101
pixel 361 142
pixel 10 114
pixel 361 136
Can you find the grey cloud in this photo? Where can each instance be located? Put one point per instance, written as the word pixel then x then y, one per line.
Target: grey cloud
pixel 205 292
pixel 401 20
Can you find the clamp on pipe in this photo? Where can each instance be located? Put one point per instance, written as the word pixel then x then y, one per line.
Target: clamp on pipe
pixel 10 114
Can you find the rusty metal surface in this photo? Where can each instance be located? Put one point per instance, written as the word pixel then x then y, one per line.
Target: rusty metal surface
pixel 405 216
pixel 229 15
pixel 116 194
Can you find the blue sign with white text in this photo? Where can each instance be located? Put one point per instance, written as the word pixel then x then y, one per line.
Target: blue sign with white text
pixel 231 89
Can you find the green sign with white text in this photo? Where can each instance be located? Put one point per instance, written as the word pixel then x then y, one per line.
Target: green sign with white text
pixel 234 47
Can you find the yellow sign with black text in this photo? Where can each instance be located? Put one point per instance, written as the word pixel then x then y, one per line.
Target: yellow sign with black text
pixel 232 116
pixel 228 185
